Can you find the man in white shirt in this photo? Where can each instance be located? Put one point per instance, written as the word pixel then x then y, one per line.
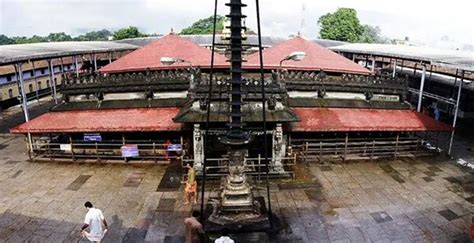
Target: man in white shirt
pixel 94 220
pixel 225 237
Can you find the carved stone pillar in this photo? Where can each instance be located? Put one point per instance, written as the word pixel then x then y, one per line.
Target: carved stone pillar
pixel 198 148
pixel 278 148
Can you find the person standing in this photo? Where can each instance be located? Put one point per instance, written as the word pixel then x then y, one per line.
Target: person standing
pixel 193 229
pixel 190 189
pixel 94 220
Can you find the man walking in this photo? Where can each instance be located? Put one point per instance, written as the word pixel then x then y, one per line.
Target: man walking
pixel 93 220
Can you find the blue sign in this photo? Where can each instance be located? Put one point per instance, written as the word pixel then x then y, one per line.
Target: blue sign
pixel 92 137
pixel 129 151
pixel 175 147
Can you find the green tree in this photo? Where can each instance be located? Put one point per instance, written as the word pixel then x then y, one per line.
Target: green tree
pixel 60 36
pixel 204 26
pixel 5 40
pixel 370 34
pixel 129 32
pixel 101 35
pixel 342 25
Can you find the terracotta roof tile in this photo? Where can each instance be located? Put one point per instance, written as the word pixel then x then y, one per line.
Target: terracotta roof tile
pixel 171 45
pixel 345 120
pixel 113 120
pixel 317 58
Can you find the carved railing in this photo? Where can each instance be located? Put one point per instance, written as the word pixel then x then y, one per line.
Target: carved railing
pixel 154 80
pixel 306 80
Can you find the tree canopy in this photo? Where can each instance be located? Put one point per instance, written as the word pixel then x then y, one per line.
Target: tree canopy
pixel 129 32
pixel 344 25
pixel 204 26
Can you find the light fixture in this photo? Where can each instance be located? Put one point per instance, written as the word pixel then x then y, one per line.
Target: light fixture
pixel 294 56
pixel 167 61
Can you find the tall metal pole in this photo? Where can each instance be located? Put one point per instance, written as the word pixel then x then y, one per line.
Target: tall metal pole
pixel 53 83
pixel 456 112
pixel 76 66
pixel 394 68
pixel 95 62
pixel 36 81
pixel 262 80
pixel 208 115
pixel 24 100
pixel 422 85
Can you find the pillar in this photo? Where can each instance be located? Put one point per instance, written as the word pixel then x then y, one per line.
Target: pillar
pixel 422 85
pixel 198 148
pixel 278 148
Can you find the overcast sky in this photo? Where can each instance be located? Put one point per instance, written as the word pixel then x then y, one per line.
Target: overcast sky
pixel 424 21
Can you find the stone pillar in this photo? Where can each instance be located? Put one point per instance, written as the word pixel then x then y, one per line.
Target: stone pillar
pixel 198 148
pixel 278 148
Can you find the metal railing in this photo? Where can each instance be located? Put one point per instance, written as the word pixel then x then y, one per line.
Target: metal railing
pixel 255 167
pixel 152 152
pixel 361 148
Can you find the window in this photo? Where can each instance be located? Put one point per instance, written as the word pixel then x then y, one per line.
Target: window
pixel 47 83
pixel 43 70
pixel 9 78
pixel 39 85
pixel 32 74
pixel 10 93
pixel 30 88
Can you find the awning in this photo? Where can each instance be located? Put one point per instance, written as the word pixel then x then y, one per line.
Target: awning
pixel 113 120
pixel 355 120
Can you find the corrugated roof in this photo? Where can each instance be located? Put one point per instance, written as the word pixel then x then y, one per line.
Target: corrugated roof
pixel 172 45
pixel 449 58
pixel 359 120
pixel 113 120
pixel 317 58
pixel 24 52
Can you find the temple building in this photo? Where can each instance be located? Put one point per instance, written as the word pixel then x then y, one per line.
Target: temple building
pixel 151 105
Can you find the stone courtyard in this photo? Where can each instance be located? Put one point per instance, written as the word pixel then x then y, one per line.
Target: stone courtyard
pixel 403 200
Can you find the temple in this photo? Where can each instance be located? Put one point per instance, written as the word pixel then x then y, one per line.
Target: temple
pixel 151 104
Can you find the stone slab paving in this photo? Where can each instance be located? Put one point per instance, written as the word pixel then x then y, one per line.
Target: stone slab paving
pixel 378 201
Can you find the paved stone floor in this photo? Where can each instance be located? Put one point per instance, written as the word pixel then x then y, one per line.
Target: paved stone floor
pixel 405 200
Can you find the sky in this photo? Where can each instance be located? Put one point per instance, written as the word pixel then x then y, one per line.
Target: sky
pixel 430 22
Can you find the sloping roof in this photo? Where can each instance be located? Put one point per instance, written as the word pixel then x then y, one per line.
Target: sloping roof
pixel 38 51
pixel 206 40
pixel 113 120
pixel 317 58
pixel 359 120
pixel 449 58
pixel 171 45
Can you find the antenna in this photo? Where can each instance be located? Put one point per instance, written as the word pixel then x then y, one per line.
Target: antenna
pixel 303 20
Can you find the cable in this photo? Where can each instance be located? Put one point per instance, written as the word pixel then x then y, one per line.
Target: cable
pixel 206 135
pixel 262 81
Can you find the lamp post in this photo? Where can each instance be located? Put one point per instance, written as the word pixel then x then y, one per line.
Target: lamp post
pixel 168 61
pixel 294 56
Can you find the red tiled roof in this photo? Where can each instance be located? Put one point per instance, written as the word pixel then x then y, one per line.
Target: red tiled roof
pixel 317 58
pixel 113 120
pixel 343 120
pixel 171 45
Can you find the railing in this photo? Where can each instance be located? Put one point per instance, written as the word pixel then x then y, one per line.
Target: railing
pixel 357 148
pixel 151 152
pixel 255 167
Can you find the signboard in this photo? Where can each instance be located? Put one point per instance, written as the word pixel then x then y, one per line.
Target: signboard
pixel 175 147
pixel 129 151
pixel 65 147
pixel 92 137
